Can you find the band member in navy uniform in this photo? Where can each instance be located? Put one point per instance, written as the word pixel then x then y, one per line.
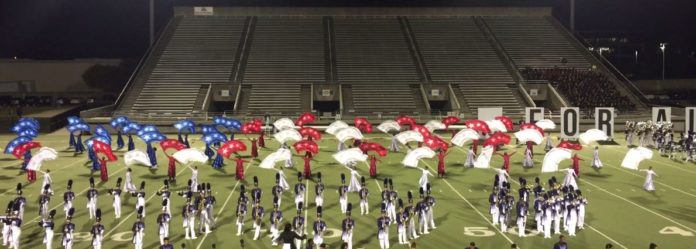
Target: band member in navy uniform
pixel 363 194
pixel 343 194
pixel 139 230
pixel 163 220
pixel 20 201
pixel 319 227
pixel 298 224
pixel 522 211
pixel 68 198
pixel 430 201
pixel 391 201
pixel 140 202
pixel 68 229
pixel 257 215
pixel 92 195
pixel 256 192
pixel 410 211
pixel 15 226
pixel 538 213
pixel 277 190
pixel 166 194
pixel 383 223
pixel 116 193
pixel 347 227
pixel 189 219
pixel 300 189
pixel 401 220
pixel 422 209
pixel 97 231
pixel 44 199
pixel 208 205
pixel 319 191
pixel 48 225
pixel 275 217
pixel 242 204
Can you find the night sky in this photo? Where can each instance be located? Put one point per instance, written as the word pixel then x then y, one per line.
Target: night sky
pixel 64 29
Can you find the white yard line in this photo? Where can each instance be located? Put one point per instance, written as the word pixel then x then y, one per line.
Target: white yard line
pixel 635 204
pixel 224 205
pixel 471 205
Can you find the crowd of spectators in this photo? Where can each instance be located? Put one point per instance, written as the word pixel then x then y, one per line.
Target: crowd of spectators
pixel 583 88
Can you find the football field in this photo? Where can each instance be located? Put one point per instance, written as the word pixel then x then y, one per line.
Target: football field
pixel 619 211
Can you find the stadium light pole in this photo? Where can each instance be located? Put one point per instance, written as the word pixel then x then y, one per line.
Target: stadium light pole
pixel 663 46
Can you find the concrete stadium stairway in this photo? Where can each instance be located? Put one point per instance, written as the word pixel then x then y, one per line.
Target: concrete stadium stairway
pixel 276 98
pixel 490 95
pixel 386 97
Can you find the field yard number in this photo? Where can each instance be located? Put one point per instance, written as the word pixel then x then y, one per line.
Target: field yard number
pixel 332 233
pixel 124 236
pixel 676 231
pixel 478 232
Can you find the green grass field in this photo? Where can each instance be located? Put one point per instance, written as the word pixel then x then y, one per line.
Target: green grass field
pixel 619 211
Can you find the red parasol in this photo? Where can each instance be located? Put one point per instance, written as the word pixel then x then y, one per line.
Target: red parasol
pixel 171 144
pixel 371 146
pixel 305 118
pixel 20 150
pixel 101 147
pixel 310 132
pixel 498 138
pixel 363 125
pixel 435 143
pixel 232 146
pixel 478 125
pixel 450 120
pixel 532 126
pixel 306 145
pixel 421 129
pixel 569 145
pixel 507 122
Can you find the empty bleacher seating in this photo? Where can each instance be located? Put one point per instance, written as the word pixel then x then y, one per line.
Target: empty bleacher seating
pixel 286 50
pixel 535 42
pixel 372 51
pixel 455 49
pixel 491 95
pixel 275 98
pixel 201 51
pixel 386 97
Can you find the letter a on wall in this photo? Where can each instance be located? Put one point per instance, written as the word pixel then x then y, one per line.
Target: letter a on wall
pixel 604 120
pixel 570 122
pixel 533 114
pixel 663 114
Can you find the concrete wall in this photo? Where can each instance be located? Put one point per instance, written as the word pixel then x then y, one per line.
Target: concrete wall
pixel 50 75
pixel 657 86
pixel 371 11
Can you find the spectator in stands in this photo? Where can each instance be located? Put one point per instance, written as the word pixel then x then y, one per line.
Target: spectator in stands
pixel 584 89
pixel 19 111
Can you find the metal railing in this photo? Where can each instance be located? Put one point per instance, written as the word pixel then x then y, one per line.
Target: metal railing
pixel 207 95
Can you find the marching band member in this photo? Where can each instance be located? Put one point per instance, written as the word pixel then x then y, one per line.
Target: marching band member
pixel 276 217
pixel 401 220
pixel 47 224
pixel 129 187
pixel 44 199
pixel 203 218
pixel 92 195
pixel 319 227
pixel 116 193
pixel 209 204
pixel 189 219
pixel 166 194
pixel 383 223
pixel 649 185
pixel 139 230
pixel 242 203
pixel 422 207
pixel 68 229
pixel 319 191
pixel 97 231
pixel 163 220
pixel 503 207
pixel 68 198
pixel 343 194
pixel 300 189
pixel 166 245
pixel 363 194
pixel 6 223
pixel 256 191
pixel 277 190
pixel 547 217
pixel 140 202
pixel 582 202
pixel 15 227
pixel 347 226
pixel 538 213
pixel 391 201
pixel 47 181
pixel 19 201
pixel 298 224
pixel 521 217
pixel 410 211
pixel 257 215
pixel 430 201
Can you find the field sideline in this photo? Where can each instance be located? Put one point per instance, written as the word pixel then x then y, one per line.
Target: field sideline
pixel 619 210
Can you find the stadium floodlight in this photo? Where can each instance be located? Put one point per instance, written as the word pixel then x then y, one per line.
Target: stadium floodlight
pixel 663 46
